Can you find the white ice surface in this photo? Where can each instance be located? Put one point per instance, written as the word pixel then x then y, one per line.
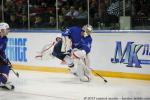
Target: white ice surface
pixel 58 86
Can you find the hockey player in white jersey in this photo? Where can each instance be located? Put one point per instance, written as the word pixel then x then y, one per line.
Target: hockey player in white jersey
pixel 73 48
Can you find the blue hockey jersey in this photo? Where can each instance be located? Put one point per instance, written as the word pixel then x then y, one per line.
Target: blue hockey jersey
pixel 74 33
pixel 78 41
pixel 3 44
pixel 85 44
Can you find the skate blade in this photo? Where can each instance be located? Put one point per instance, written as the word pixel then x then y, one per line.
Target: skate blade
pixel 6 88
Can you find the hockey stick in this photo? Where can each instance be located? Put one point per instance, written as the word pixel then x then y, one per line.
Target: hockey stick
pixel 16 73
pixel 95 71
pixel 45 50
pixel 10 65
pixel 99 75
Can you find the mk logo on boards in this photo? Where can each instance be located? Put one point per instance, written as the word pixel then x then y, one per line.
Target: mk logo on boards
pixel 16 49
pixel 131 54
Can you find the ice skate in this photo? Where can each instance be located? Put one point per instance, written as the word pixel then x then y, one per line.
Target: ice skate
pixel 7 86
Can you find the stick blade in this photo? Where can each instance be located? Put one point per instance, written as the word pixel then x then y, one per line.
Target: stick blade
pixel 105 81
pixel 17 74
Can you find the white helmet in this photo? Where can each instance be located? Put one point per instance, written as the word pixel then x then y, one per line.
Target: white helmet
pixel 4 25
pixel 87 30
pixel 58 35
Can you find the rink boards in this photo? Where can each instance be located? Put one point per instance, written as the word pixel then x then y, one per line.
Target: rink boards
pixel 125 55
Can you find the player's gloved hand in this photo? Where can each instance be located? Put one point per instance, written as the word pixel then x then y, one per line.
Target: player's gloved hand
pixel 68 52
pixel 4 62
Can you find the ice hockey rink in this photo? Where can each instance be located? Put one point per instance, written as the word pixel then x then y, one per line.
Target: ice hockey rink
pixel 33 85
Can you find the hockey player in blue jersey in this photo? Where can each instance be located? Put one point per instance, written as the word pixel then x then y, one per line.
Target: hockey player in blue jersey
pixel 78 40
pixel 4 65
pixel 73 34
pixel 70 39
pixel 81 53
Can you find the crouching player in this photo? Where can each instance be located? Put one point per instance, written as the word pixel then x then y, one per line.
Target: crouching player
pixel 4 65
pixel 74 49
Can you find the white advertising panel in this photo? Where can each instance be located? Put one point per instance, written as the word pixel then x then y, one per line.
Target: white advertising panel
pixel 117 52
pixel 121 52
